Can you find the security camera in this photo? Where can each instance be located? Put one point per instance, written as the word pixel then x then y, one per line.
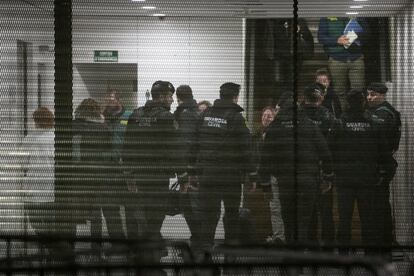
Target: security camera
pixel 161 17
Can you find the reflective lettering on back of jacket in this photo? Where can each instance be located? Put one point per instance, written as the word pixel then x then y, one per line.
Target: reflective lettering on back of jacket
pixel 215 122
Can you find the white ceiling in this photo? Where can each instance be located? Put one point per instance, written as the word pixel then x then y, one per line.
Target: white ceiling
pixel 229 8
pixel 238 8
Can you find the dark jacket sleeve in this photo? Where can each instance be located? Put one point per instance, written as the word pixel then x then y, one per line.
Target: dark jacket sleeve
pixel 175 163
pixel 333 125
pixel 383 123
pixel 257 143
pixel 187 134
pixel 267 156
pixel 322 149
pixel 334 143
pixel 245 146
pixel 323 34
pixel 337 105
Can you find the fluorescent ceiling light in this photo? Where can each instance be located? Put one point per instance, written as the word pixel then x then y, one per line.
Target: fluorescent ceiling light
pixel 149 8
pixel 159 14
pixel 138 0
pixel 360 0
pixel 352 13
pixel 356 7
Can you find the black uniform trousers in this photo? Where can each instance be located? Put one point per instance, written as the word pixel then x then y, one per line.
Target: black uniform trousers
pixel 364 197
pixel 298 203
pixel 190 206
pixel 325 210
pixel 111 213
pixel 374 212
pixel 384 221
pixel 218 185
pixel 105 196
pixel 144 214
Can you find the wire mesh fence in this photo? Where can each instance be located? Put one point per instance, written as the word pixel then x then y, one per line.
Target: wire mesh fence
pixel 85 256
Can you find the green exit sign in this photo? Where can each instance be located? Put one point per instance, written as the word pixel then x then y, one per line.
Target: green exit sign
pixel 105 56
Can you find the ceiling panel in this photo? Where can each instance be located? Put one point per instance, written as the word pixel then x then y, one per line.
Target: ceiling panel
pixel 230 8
pixel 238 8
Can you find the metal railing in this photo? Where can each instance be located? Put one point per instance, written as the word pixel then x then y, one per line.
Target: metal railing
pixel 32 255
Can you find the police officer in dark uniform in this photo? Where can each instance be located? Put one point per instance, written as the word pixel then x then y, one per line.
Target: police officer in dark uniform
pixel 187 118
pixel 389 124
pixel 315 111
pixel 149 156
pixel 224 156
pixel 325 120
pixel 356 156
pixel 292 152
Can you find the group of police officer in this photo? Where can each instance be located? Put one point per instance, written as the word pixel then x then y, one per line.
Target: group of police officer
pixel 354 151
pixel 305 148
pixel 209 152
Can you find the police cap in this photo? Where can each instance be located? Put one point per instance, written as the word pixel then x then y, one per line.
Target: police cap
pixel 161 87
pixel 377 87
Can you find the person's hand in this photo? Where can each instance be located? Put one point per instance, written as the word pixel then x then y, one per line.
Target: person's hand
pixel 132 186
pixel 343 40
pixel 325 186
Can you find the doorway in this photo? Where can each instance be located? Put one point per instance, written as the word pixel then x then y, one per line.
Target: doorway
pixel 24 67
pixel 94 80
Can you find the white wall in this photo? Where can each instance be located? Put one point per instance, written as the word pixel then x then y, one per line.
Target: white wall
pixel 401 97
pixel 19 21
pixel 201 52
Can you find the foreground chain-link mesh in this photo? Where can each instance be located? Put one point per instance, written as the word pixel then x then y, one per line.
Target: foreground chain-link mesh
pixel 87 183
